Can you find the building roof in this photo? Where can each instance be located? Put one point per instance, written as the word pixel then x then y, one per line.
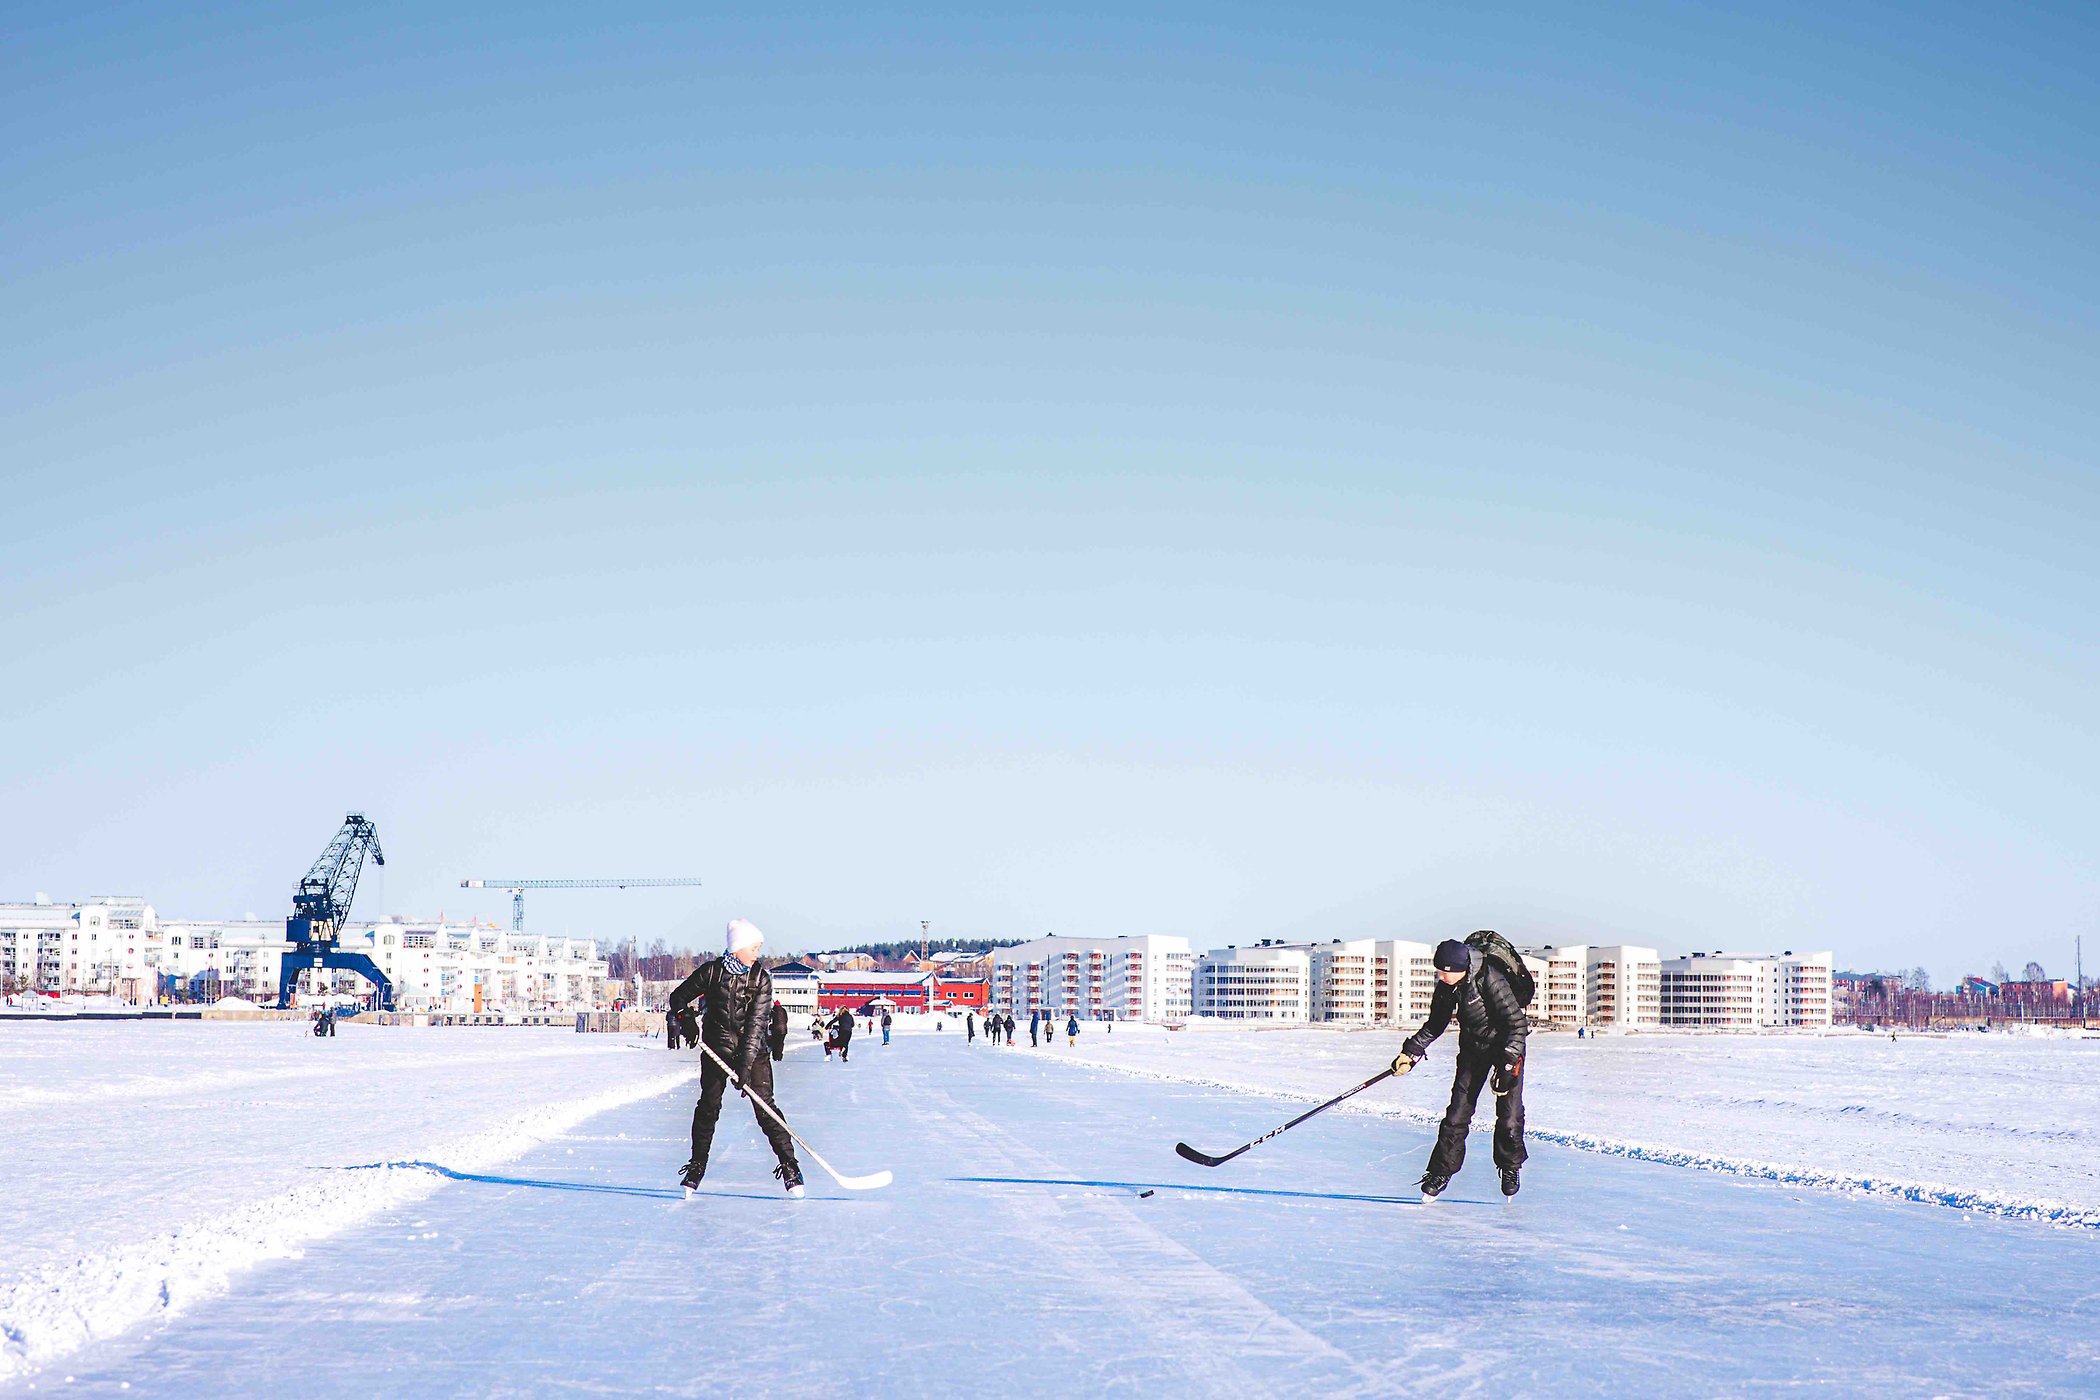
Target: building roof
pixel 879 979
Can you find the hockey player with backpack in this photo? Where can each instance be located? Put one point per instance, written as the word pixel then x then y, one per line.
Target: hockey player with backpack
pixel 1483 983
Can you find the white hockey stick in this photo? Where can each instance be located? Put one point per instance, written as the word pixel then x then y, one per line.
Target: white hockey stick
pixel 871 1182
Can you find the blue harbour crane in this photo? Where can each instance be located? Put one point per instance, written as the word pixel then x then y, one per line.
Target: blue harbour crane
pixel 322 906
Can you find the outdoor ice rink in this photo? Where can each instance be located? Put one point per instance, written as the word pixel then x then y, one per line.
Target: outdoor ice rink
pixel 1015 1255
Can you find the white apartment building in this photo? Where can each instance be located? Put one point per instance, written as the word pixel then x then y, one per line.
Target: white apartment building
pixel 1382 981
pixel 439 966
pixel 1747 991
pixel 1367 981
pixel 1141 978
pixel 1269 982
pixel 210 957
pixel 85 948
pixel 795 988
pixel 1352 980
pixel 1614 986
pixel 117 946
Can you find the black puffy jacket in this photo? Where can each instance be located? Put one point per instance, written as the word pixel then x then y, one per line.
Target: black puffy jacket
pixel 736 1012
pixel 1489 1017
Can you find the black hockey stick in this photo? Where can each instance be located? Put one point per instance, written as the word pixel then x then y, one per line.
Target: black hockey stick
pixel 1204 1159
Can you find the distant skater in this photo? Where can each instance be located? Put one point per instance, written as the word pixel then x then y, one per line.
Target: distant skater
pixel 733 994
pixel 1476 984
pixel 842 1032
pixel 777 1032
pixel 969 1029
pixel 1032 1020
pixel 885 1028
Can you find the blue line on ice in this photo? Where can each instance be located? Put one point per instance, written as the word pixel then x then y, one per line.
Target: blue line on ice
pixel 654 1193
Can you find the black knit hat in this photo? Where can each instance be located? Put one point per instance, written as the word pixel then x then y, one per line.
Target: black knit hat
pixel 1453 956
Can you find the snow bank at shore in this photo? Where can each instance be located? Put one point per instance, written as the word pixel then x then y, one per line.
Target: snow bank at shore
pixel 2001 1124
pixel 167 1158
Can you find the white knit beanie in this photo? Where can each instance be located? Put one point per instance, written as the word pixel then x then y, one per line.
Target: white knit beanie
pixel 742 934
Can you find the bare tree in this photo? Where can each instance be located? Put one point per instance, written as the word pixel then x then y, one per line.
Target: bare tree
pixel 1918 980
pixel 1999 974
pixel 2034 973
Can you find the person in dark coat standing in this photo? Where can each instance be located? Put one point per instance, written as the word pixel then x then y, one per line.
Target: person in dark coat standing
pixel 1491 1029
pixel 777 1032
pixel 1072 1029
pixel 842 1031
pixel 1033 1020
pixel 969 1029
pixel 885 1027
pixel 733 994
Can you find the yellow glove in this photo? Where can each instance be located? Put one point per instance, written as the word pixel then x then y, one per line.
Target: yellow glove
pixel 1403 1062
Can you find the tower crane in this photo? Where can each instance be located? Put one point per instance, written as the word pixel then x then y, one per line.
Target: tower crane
pixel 517 888
pixel 320 908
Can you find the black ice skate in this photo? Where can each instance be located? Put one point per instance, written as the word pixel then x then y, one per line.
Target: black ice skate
pixel 1509 1181
pixel 690 1174
pixel 1433 1184
pixel 790 1174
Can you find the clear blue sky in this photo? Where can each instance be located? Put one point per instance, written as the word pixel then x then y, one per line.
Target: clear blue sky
pixel 1205 469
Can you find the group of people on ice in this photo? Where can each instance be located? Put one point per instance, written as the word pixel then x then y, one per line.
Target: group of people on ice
pixel 727 1007
pixel 1000 1027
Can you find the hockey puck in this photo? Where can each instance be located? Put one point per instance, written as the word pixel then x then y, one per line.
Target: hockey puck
pixel 1143 1194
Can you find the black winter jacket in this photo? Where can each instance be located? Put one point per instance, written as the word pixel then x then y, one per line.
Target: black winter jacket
pixel 737 1011
pixel 1489 1018
pixel 777 1031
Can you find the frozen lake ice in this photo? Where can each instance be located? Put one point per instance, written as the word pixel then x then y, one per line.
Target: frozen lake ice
pixel 1016 1253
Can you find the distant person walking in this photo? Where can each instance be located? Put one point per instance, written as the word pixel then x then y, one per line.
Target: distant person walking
pixel 1007 1033
pixel 1475 984
pixel 970 1028
pixel 1032 1021
pixel 885 1028
pixel 842 1032
pixel 777 1032
pixel 732 994
pixel 1072 1030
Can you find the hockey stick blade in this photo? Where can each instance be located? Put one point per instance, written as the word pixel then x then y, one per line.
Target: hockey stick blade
pixel 873 1181
pixel 1204 1159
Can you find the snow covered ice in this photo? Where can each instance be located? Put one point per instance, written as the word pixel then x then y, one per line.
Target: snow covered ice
pixel 543 1245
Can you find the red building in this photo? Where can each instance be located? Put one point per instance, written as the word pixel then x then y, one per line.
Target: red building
pixel 972 992
pixel 907 991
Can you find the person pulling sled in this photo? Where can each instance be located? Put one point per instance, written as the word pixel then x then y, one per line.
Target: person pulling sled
pixel 734 995
pixel 1485 985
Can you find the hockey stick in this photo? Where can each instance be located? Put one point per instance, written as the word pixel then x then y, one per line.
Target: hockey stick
pixel 1204 1159
pixel 872 1181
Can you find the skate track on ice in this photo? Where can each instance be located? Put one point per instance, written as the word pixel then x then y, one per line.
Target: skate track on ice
pixel 1014 1255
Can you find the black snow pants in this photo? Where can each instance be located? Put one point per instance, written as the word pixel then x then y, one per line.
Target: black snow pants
pixel 713 1081
pixel 1467 1080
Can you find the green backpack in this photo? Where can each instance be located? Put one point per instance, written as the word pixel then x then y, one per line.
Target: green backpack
pixel 1494 945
